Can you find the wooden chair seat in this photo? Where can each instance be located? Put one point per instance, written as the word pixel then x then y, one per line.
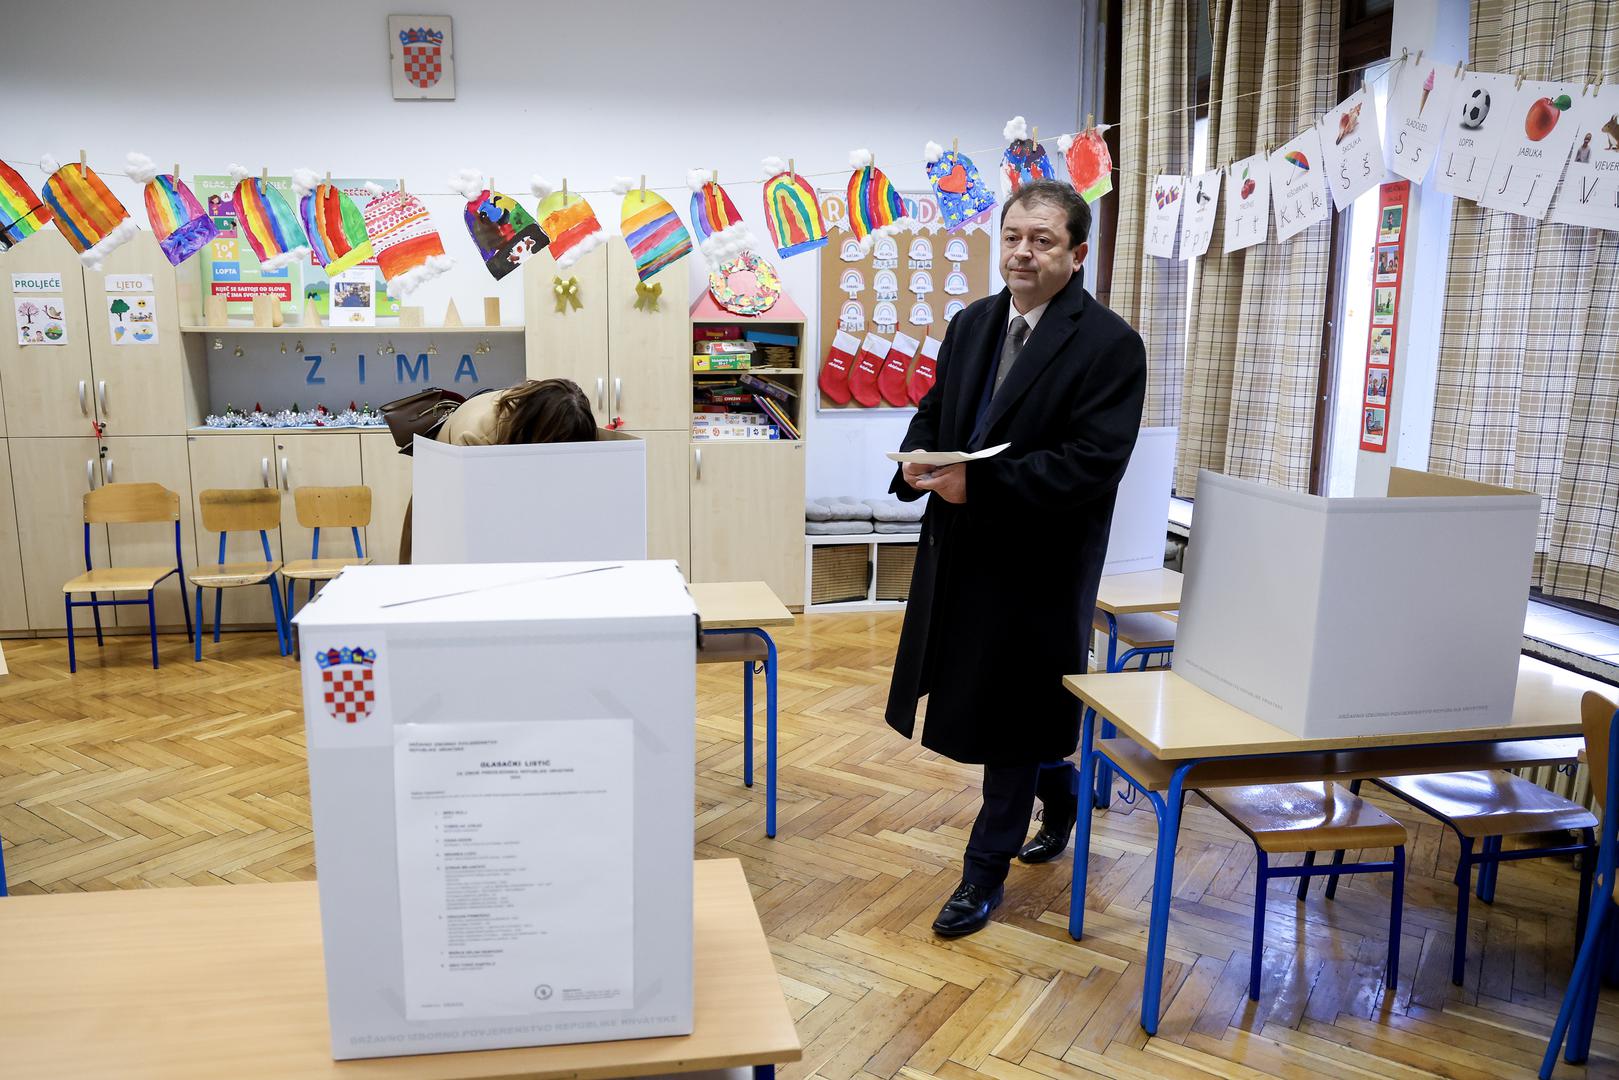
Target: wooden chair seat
pixel 118 579
pixel 1490 803
pixel 731 649
pixel 318 569
pixel 233 574
pixel 1306 817
pixel 1142 630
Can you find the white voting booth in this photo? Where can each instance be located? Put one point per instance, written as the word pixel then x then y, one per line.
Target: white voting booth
pixel 1135 542
pixel 1358 616
pixel 501 778
pixel 534 502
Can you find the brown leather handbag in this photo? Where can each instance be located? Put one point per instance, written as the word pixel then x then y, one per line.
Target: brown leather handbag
pixel 422 413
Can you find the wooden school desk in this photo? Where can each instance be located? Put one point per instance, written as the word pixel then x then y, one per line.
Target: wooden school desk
pixel 228 981
pixel 1132 608
pixel 1179 736
pixel 733 615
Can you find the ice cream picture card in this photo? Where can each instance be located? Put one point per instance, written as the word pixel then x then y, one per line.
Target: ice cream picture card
pixel 1535 146
pixel 1475 127
pixel 1418 110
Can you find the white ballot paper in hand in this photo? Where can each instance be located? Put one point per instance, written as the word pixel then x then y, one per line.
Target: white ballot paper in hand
pixel 515 879
pixel 943 457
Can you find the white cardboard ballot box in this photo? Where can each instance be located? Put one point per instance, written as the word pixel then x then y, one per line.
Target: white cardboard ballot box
pixel 1135 541
pixel 533 502
pixel 501 766
pixel 1359 616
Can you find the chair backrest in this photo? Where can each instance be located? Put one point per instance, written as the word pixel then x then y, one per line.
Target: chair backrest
pixel 122 504
pixel 238 509
pixel 1596 716
pixel 333 507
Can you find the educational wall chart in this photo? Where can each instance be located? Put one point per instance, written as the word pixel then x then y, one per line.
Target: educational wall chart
pixel 1419 105
pixel 1350 149
pixel 1164 216
pixel 1590 192
pixel 1387 272
pixel 1197 219
pixel 131 309
pixel 907 286
pixel 39 310
pixel 1534 149
pixel 1473 131
pixel 1247 204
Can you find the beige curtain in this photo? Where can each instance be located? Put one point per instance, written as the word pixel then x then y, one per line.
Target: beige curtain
pixel 1155 97
pixel 1528 384
pixel 1249 393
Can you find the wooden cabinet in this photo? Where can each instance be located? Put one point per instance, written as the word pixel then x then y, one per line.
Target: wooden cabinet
pixel 139 389
pixel 49 479
pixel 49 389
pixel 747 514
pixel 570 343
pixel 314 459
pixel 157 459
pixel 235 460
pixel 13 605
pixel 649 348
pixel 387 473
pixel 668 496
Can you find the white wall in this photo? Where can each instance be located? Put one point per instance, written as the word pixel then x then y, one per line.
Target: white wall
pixel 585 91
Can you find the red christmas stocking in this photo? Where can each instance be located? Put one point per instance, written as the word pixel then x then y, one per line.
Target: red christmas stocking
pixel 921 380
pixel 891 380
pixel 834 380
pixel 863 381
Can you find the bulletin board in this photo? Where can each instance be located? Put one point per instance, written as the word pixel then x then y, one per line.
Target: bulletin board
pixel 912 283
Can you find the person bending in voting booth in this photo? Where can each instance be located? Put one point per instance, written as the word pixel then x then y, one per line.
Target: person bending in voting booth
pixel 536 411
pixel 1012 545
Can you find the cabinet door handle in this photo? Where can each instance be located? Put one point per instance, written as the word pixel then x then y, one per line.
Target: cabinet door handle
pixel 89 474
pixel 264 471
pixel 697 452
pixel 601 395
pixel 107 467
pixel 101 395
pixel 618 396
pixel 286 479
pixel 84 399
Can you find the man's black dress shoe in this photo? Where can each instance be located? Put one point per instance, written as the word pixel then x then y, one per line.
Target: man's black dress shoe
pixel 967 910
pixel 1049 842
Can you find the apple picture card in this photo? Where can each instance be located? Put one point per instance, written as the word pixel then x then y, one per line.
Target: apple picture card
pixel 1534 149
pixel 1297 195
pixel 1350 151
pixel 1590 192
pixel 1247 203
pixel 1418 108
pixel 1197 220
pixel 1477 124
pixel 1164 215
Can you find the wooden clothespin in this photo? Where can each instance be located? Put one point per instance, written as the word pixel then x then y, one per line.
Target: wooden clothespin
pixel 955 145
pixel 1419 55
pixel 1090 121
pixel 401 185
pixel 1519 84
pixel 1459 64
pixel 328 176
pixel 264 174
pixel 176 172
pixel 643 185
pixel 564 191
pixel 713 176
pixel 1034 133
pixel 790 164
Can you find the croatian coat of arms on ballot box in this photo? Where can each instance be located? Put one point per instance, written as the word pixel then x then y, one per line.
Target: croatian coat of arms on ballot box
pixel 423 60
pixel 346 684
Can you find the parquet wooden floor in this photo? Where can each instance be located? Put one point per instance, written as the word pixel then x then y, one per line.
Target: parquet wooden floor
pixel 121 777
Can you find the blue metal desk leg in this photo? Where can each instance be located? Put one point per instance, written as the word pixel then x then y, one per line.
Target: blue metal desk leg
pixel 764 1072
pixel 1082 827
pixel 747 723
pixel 770 735
pixel 1104 769
pixel 1163 890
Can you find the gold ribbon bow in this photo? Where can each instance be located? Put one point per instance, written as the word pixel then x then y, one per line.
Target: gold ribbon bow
pixel 567 292
pixel 646 296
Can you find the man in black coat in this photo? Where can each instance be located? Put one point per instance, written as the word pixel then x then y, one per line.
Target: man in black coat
pixel 1012 545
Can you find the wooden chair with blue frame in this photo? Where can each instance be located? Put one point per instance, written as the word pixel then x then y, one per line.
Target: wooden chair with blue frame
pixel 125 504
pixel 326 508
pixel 225 511
pixel 1600 718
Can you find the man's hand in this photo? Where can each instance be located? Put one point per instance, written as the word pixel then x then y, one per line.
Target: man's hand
pixel 914 473
pixel 948 483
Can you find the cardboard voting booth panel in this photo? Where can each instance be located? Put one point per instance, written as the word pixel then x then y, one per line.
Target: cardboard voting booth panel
pixel 1359 616
pixel 501 778
pixel 1135 541
pixel 540 502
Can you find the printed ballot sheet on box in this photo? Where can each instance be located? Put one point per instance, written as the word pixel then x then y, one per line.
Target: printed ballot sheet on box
pixel 1363 616
pixel 501 762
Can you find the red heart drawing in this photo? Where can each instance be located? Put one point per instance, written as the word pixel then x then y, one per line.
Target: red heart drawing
pixel 954 181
